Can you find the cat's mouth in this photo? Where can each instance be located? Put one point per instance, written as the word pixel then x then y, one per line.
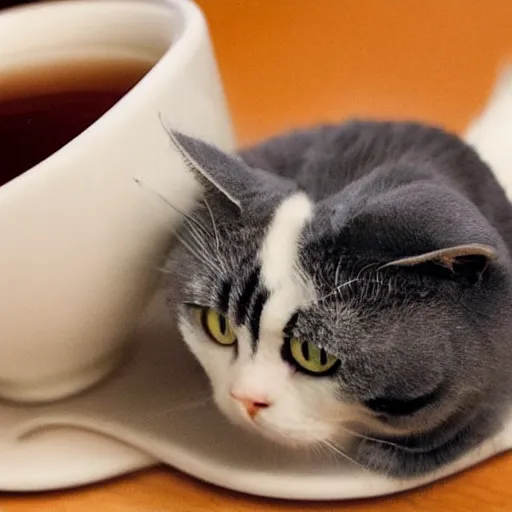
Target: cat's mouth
pixel 261 426
pixel 293 437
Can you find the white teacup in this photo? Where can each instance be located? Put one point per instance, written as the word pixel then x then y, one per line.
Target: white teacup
pixel 80 241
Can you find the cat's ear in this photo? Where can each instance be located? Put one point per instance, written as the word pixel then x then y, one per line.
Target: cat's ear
pixel 238 183
pixel 466 261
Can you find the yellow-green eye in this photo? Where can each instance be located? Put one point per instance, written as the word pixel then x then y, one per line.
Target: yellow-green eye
pixel 311 358
pixel 217 326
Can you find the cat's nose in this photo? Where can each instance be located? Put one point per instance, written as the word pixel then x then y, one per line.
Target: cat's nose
pixel 252 405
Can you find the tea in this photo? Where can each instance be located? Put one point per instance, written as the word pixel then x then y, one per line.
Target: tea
pixel 44 107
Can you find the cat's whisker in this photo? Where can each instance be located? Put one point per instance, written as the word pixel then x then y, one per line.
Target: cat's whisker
pixel 199 229
pixel 324 451
pixel 366 267
pixel 204 243
pixel 182 407
pixel 365 437
pixel 204 232
pixel 301 276
pixel 336 290
pixel 336 273
pixel 168 203
pixel 203 226
pixel 214 225
pixel 196 231
pixel 316 449
pixel 340 452
pixel 192 224
pixel 379 441
pixel 200 256
pixel 193 250
pixel 203 258
pixel 340 287
pixel 196 238
pixel 290 429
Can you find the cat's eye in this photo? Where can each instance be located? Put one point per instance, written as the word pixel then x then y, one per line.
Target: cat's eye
pixel 217 326
pixel 311 358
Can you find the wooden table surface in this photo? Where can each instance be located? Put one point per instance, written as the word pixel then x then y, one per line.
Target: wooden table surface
pixel 287 63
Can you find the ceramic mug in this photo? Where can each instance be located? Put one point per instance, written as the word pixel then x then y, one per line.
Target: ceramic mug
pixel 80 240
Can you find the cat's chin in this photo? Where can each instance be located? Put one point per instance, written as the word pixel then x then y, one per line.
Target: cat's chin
pixel 286 440
pixel 281 438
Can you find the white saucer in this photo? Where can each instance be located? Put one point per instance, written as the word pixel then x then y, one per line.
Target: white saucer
pixel 154 409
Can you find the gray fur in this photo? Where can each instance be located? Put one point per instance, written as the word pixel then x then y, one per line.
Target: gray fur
pixel 382 192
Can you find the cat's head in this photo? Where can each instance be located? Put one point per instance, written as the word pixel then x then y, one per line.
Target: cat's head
pixel 373 311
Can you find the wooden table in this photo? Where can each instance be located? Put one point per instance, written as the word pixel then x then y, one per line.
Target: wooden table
pixel 293 62
pixel 484 489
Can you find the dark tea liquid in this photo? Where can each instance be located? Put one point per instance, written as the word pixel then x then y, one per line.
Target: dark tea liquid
pixel 42 108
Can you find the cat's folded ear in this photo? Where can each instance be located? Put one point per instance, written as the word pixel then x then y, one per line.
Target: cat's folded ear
pixel 464 261
pixel 241 185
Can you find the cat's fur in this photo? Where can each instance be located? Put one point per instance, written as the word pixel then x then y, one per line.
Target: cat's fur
pixel 304 235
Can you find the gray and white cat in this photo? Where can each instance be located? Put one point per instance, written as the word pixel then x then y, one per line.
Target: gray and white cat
pixel 352 283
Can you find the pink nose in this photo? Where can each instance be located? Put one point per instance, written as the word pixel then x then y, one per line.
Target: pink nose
pixel 252 405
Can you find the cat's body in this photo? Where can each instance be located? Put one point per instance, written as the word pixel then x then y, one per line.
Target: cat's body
pixel 361 284
pixel 326 159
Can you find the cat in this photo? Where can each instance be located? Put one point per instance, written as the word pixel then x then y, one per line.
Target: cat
pixel 351 284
